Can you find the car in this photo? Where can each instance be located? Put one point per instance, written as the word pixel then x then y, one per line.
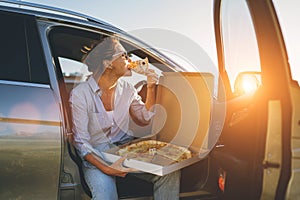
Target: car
pixel 252 138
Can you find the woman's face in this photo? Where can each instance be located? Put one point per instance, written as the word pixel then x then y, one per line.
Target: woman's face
pixel 119 64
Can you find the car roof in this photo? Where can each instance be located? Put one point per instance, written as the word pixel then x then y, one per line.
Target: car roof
pixel 52 13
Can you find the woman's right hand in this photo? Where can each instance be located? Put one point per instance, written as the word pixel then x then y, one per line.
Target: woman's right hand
pixel 117 168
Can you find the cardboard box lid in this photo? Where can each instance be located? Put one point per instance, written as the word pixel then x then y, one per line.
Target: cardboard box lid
pixel 183 112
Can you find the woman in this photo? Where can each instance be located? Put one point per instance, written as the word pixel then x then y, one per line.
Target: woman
pixel 101 109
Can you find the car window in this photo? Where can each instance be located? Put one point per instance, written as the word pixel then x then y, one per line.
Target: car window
pixel 21 52
pixel 74 72
pixel 240 45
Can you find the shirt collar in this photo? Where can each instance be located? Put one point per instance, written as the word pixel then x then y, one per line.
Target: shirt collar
pixel 94 86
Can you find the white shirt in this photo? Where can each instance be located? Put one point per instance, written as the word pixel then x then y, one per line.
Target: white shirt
pixel 93 125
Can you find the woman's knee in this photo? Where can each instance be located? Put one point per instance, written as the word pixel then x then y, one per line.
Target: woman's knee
pixel 101 185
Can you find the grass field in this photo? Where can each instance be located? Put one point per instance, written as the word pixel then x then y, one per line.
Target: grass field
pixel 29 168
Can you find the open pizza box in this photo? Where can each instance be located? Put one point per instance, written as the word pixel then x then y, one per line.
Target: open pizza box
pixel 183 117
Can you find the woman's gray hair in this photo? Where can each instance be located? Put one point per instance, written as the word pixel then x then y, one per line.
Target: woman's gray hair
pixel 102 55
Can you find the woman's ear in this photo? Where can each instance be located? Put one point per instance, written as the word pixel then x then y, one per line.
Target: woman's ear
pixel 107 64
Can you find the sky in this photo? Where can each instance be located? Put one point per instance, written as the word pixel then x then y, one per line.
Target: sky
pixel 288 12
pixel 181 28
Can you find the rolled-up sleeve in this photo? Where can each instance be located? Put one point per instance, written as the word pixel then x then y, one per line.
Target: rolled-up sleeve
pixel 139 110
pixel 80 123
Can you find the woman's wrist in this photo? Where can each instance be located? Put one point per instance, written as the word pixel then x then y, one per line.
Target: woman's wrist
pixel 150 85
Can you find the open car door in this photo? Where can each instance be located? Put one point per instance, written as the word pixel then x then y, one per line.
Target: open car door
pixel 255 157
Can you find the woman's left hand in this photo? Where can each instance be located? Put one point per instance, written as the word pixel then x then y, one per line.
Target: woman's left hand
pixel 152 77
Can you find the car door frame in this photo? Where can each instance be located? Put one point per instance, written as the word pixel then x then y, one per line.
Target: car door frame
pixel 271 42
pixel 276 78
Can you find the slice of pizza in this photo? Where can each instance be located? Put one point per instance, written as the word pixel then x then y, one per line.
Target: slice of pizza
pixel 139 66
pixel 174 152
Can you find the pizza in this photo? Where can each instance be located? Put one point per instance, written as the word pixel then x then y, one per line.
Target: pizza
pixel 147 150
pixel 139 66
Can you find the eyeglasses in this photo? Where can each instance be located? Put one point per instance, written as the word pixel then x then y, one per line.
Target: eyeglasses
pixel 122 55
pixel 125 55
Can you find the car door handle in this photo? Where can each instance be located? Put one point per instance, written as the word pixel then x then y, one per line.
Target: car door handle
pixel 267 164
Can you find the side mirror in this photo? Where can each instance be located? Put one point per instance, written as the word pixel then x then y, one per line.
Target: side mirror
pixel 247 83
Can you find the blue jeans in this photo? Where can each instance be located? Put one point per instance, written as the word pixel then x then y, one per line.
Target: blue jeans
pixel 103 187
pixel 164 187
